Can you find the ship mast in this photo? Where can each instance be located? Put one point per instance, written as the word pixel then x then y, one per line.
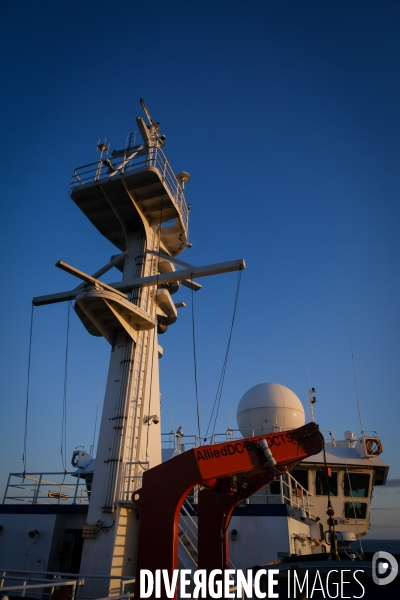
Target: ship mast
pixel 137 202
pixel 312 399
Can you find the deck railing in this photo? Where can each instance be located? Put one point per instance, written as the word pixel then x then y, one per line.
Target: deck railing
pixel 42 584
pixel 38 488
pixel 42 588
pixel 180 442
pixel 291 493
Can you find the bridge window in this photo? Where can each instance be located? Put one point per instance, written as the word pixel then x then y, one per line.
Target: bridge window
pixel 356 484
pixel 355 510
pixel 322 482
pixel 301 476
pixel 275 487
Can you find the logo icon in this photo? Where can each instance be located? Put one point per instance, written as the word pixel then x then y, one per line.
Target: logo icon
pixel 384 568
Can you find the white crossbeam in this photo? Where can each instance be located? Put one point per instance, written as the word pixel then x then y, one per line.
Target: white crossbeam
pixel 88 278
pixel 216 269
pixel 118 287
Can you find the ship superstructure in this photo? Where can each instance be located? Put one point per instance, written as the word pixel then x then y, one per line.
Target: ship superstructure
pixel 86 522
pixel 287 518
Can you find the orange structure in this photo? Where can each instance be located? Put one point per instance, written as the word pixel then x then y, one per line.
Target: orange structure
pixel 229 473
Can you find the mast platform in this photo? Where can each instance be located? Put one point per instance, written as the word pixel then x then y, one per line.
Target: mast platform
pixel 106 191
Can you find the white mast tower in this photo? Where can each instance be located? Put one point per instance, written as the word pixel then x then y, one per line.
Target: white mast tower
pixel 137 202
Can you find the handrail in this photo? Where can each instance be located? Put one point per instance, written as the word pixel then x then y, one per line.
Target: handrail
pixel 191 532
pixel 188 532
pixel 176 440
pixel 39 586
pixel 296 495
pixel 35 489
pixel 62 574
pixel 56 581
pixel 130 595
pixel 330 433
pixel 292 493
pixel 193 528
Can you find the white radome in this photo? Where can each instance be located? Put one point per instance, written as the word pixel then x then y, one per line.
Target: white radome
pixel 269 407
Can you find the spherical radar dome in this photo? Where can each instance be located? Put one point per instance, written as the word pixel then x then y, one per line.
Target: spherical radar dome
pixel 269 407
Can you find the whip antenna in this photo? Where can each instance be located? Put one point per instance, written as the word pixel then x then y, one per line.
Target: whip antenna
pixel 356 386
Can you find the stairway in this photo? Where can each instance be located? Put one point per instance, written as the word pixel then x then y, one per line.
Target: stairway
pixel 188 538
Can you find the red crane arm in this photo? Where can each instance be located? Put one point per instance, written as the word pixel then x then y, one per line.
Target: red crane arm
pixel 220 468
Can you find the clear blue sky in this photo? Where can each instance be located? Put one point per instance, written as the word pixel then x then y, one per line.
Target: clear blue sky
pixel 286 116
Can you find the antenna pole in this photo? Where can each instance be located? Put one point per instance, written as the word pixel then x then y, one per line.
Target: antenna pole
pixel 146 111
pixel 356 386
pixel 101 147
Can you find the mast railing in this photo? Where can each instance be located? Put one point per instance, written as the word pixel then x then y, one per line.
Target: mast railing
pixel 141 160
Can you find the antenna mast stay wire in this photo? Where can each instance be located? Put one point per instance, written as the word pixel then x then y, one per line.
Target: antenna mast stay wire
pixel 218 395
pixel 195 367
pixel 95 421
pixel 27 392
pixel 64 402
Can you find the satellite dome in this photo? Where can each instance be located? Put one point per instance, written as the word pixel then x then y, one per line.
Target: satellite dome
pixel 269 407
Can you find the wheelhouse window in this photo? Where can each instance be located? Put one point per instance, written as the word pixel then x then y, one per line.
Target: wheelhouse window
pixel 275 487
pixel 301 476
pixel 355 510
pixel 356 485
pixel 323 483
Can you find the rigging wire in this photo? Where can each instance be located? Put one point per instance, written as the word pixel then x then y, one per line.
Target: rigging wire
pixel 27 392
pixel 218 395
pixel 95 421
pixel 64 401
pixel 195 366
